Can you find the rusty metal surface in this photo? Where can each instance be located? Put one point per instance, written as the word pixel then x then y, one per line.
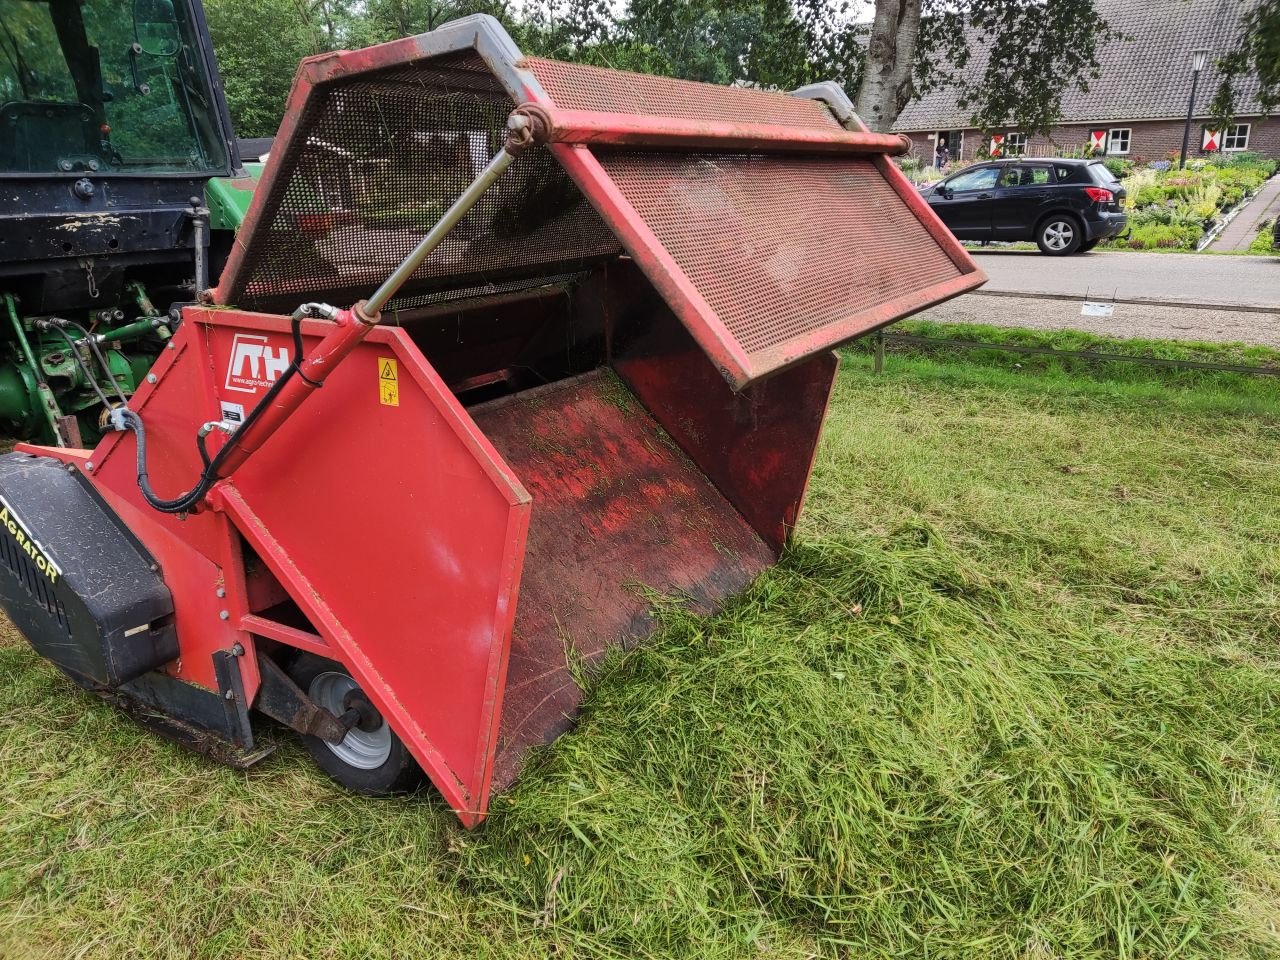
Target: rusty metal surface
pixel 573 86
pixel 722 136
pixel 617 510
pixel 779 247
pixel 756 445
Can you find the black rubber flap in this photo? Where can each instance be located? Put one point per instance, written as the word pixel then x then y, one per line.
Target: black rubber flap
pixel 74 580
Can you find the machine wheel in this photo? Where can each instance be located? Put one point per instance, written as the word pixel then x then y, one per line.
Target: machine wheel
pixel 1059 234
pixel 371 759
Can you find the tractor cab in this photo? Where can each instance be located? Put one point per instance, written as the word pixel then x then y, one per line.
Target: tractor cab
pixel 112 128
pixel 107 88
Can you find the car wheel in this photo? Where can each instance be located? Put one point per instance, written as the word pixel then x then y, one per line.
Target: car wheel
pixel 1059 235
pixel 1089 245
pixel 371 759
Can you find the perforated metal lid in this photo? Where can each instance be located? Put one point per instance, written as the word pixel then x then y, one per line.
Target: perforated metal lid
pixel 771 229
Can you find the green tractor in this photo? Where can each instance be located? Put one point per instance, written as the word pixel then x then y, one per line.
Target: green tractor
pixel 121 187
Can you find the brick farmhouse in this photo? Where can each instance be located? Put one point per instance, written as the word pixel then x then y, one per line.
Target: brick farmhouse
pixel 1139 103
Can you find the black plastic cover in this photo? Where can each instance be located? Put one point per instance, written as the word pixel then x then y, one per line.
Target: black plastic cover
pixel 74 580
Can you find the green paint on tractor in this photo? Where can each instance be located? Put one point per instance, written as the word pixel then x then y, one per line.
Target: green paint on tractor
pixel 228 197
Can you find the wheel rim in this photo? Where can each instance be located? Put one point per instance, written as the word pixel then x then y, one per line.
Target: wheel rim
pixel 1058 235
pixel 362 749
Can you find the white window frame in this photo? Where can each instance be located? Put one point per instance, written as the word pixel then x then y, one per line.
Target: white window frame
pixel 1231 133
pixel 1009 150
pixel 1111 139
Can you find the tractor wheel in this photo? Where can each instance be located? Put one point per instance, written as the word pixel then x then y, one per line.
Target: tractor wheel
pixel 371 759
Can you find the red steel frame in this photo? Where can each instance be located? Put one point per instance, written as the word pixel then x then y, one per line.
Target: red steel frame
pixel 573 133
pixel 414 585
pixel 336 449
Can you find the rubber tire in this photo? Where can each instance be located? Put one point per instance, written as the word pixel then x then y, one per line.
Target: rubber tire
pixel 400 773
pixel 1088 245
pixel 1076 238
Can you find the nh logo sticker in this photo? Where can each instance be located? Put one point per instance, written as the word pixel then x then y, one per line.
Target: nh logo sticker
pixel 254 363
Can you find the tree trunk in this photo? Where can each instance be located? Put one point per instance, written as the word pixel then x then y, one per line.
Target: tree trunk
pixel 886 76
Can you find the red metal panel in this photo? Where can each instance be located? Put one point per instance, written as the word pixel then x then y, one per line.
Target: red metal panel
pixel 618 512
pixel 198 554
pixel 574 86
pixel 673 133
pixel 756 445
pixel 768 260
pixel 399 530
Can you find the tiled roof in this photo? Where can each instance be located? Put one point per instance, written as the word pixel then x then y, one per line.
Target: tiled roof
pixel 1145 77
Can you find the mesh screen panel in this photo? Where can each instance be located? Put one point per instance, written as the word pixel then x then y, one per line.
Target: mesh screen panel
pixel 418 300
pixel 780 246
pixel 575 87
pixel 375 161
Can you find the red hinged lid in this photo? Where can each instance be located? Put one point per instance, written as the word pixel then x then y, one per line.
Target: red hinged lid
pixel 771 228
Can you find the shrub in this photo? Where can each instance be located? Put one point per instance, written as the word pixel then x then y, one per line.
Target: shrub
pixel 1248 158
pixel 1150 236
pixel 1153 195
pixel 1263 241
pixel 1204 209
pixel 1119 167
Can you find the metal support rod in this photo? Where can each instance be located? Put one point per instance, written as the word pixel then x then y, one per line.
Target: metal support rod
pixel 199 215
pixel 48 404
pixel 129 331
pixel 437 233
pixel 1186 127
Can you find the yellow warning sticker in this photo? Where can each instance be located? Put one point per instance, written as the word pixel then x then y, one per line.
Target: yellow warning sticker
pixel 388 382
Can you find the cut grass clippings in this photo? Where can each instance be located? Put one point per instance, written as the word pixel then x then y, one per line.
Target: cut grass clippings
pixel 1014 693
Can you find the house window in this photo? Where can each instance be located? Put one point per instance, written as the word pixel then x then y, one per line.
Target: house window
pixel 1015 144
pixel 1118 140
pixel 1237 137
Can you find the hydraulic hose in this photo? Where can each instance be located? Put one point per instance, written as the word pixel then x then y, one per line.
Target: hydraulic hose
pixel 127 419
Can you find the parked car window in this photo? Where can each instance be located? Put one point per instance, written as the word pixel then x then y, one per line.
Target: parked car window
pixel 1064 174
pixel 1026 177
pixel 984 178
pixel 1102 173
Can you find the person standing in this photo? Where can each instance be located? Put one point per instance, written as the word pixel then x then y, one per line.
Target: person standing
pixel 941 155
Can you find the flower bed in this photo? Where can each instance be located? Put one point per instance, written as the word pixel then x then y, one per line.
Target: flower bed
pixel 1174 209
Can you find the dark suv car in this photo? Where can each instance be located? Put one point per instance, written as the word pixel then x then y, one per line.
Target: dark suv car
pixel 1065 206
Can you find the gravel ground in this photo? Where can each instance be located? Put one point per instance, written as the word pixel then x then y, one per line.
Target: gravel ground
pixel 1130 320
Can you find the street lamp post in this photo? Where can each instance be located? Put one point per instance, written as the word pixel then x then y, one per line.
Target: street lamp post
pixel 1198 60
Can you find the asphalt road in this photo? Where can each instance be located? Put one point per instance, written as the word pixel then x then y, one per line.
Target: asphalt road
pixel 1177 278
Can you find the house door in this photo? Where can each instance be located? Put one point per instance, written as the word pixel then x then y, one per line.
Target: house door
pixel 954 140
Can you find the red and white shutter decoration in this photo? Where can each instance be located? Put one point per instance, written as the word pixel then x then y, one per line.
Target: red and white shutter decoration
pixel 997 144
pixel 1098 140
pixel 1210 140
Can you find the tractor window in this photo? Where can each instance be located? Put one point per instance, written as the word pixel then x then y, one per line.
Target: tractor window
pixel 85 88
pixel 32 66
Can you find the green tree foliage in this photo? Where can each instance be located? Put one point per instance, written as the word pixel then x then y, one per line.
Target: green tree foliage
pixel 258 46
pixel 1032 50
pixel 1258 52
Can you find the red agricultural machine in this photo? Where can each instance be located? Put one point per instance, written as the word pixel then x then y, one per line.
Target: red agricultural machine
pixel 583 357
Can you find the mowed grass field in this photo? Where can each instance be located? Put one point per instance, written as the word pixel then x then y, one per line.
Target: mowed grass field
pixel 1014 693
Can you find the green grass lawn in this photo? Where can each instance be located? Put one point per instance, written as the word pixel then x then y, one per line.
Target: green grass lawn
pixel 1014 693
